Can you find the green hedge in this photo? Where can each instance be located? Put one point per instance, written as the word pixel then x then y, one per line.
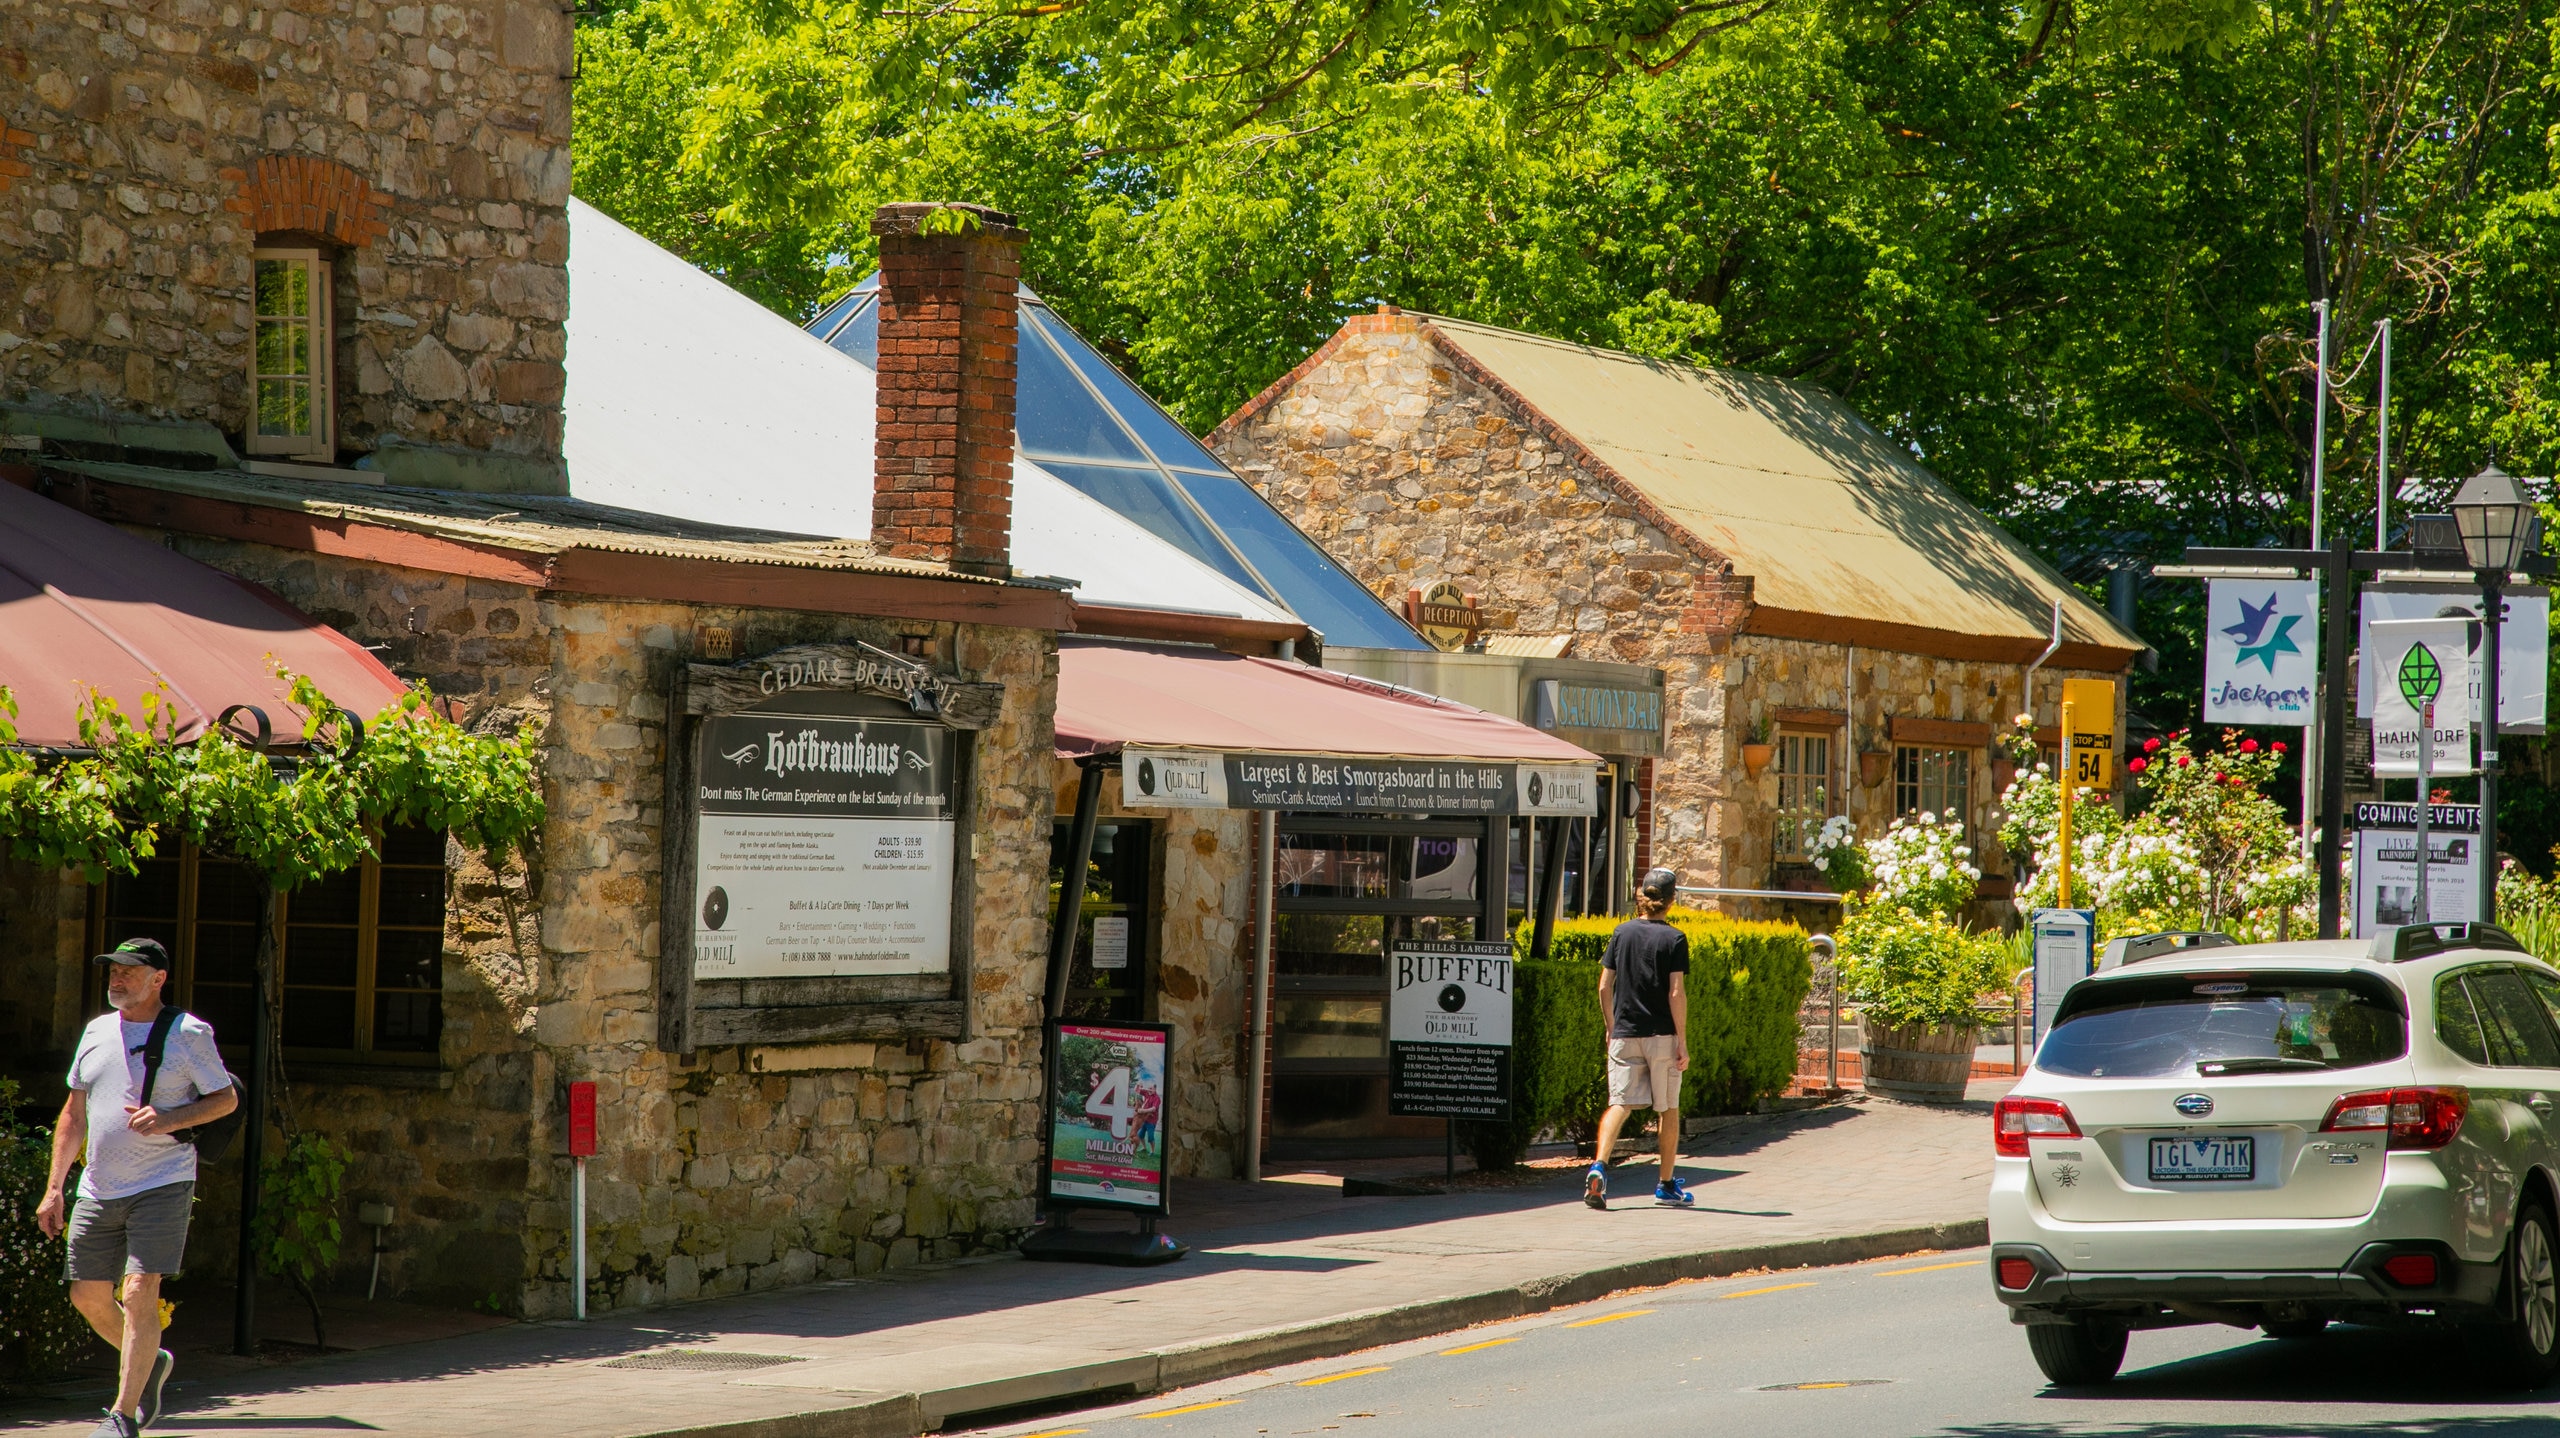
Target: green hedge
pixel 1746 982
pixel 39 1331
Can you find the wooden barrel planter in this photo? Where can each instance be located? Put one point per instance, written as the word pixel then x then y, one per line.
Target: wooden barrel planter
pixel 1917 1063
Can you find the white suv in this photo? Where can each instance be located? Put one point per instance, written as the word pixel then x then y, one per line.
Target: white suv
pixel 2282 1135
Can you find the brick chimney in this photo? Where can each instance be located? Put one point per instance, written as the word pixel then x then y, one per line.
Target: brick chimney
pixel 942 458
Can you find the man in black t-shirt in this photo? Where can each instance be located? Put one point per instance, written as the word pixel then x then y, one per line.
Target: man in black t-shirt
pixel 1644 997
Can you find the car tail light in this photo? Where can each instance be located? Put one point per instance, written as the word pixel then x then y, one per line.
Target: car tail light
pixel 2017 1273
pixel 2411 1270
pixel 2417 1118
pixel 2015 1120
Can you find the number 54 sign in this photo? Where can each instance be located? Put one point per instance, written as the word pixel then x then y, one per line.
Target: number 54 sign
pixel 2089 743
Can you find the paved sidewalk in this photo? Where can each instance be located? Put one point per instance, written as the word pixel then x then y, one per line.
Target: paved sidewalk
pixel 1281 1272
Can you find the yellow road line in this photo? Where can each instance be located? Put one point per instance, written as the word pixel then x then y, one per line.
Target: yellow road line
pixel 1338 1377
pixel 1056 1433
pixel 1477 1347
pixel 1194 1408
pixel 1932 1268
pixel 1756 1292
pixel 1608 1318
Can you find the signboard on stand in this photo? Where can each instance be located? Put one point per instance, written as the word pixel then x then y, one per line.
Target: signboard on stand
pixel 2262 651
pixel 2065 952
pixel 2387 864
pixel 1108 1116
pixel 1449 1030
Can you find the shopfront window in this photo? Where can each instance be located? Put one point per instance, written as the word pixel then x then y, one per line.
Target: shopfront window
pixel 1804 792
pixel 1937 780
pixel 361 953
pixel 1112 974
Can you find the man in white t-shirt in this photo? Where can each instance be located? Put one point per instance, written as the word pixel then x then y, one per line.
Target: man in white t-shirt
pixel 138 1182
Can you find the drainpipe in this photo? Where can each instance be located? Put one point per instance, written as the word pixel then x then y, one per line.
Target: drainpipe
pixel 2027 690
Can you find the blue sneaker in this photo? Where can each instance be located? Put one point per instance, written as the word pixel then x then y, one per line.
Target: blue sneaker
pixel 1595 1187
pixel 1672 1193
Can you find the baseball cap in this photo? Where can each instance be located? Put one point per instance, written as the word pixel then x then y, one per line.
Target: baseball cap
pixel 138 953
pixel 1659 884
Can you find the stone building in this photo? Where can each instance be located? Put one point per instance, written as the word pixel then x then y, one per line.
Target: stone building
pixel 1797 577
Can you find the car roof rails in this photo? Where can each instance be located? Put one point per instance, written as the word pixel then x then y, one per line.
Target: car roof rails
pixel 2135 948
pixel 2403 942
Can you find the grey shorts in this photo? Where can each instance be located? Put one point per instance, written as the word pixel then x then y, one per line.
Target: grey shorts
pixel 1645 1073
pixel 143 1232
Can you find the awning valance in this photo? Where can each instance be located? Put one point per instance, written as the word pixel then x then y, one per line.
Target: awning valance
pixel 1196 728
pixel 85 605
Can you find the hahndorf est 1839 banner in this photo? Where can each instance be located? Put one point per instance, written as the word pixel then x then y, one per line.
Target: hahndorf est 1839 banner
pixel 824 847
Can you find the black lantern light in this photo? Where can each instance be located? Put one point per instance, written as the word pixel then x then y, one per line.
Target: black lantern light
pixel 2499 523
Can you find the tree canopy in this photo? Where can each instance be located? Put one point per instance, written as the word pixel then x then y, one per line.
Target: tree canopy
pixel 2067 252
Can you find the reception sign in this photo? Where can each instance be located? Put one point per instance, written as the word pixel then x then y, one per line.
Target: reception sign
pixel 1107 1116
pixel 824 846
pixel 1317 783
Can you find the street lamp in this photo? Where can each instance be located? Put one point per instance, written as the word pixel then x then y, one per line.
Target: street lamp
pixel 2499 527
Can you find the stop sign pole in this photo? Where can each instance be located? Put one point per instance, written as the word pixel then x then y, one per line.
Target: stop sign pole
pixel 582 1146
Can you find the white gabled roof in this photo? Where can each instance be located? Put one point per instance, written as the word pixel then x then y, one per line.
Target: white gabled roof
pixel 686 398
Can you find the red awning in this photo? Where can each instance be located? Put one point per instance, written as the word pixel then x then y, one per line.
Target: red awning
pixel 1112 696
pixel 85 605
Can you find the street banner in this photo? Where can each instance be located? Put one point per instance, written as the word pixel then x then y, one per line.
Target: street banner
pixel 1449 1030
pixel 2387 864
pixel 823 846
pixel 2418 662
pixel 2261 651
pixel 2092 756
pixel 1107 1118
pixel 1357 783
pixel 2524 645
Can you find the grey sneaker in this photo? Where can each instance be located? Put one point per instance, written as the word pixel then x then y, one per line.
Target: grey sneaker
pixel 152 1386
pixel 116 1425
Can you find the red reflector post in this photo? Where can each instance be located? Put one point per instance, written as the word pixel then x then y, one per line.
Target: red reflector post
pixel 2016 1273
pixel 2411 1270
pixel 2015 1120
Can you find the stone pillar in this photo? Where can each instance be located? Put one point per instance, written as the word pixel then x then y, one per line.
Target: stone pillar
pixel 942 461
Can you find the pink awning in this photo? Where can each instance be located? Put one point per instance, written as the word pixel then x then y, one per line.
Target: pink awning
pixel 85 605
pixel 1113 696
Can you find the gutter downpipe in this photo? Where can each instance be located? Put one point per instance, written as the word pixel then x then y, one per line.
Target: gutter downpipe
pixel 2028 690
pixel 1266 834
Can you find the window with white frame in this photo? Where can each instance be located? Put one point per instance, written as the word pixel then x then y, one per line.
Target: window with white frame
pixel 1938 780
pixel 290 361
pixel 1804 792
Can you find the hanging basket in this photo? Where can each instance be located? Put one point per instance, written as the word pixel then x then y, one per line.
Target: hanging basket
pixel 1872 764
pixel 1755 757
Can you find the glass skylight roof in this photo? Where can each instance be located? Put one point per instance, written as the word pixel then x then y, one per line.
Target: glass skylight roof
pixel 1083 421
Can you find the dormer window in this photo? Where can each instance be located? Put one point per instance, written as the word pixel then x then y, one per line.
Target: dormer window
pixel 290 361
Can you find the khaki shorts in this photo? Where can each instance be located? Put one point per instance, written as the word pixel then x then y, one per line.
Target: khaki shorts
pixel 144 1232
pixel 1645 1073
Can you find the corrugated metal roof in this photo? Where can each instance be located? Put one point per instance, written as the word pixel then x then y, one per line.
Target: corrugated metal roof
pixel 1529 646
pixel 1828 516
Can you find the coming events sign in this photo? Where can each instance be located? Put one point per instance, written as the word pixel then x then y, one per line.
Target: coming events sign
pixel 823 847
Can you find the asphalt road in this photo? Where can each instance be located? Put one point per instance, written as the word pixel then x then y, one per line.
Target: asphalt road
pixel 1915 1346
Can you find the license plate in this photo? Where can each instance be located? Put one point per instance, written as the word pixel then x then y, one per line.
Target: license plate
pixel 2204 1160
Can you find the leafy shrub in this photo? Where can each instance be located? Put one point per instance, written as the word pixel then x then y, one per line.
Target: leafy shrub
pixel 1746 982
pixel 297 1230
pixel 1903 967
pixel 40 1332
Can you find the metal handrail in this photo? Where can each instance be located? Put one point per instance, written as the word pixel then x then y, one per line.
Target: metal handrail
pixel 1810 896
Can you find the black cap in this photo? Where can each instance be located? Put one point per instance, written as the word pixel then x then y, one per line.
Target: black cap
pixel 1660 885
pixel 138 953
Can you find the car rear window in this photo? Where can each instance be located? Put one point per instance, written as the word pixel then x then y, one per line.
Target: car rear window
pixel 2165 1024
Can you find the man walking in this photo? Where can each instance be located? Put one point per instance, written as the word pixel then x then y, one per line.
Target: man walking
pixel 130 1223
pixel 1644 998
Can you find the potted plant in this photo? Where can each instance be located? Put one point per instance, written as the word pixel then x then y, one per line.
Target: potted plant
pixel 1914 973
pixel 1758 746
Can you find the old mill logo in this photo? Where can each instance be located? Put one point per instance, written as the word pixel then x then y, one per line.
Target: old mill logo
pixel 2420 676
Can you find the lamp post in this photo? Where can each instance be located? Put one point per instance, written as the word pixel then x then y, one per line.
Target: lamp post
pixel 2499 527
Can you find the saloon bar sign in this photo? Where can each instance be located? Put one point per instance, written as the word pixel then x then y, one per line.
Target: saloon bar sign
pixel 1191 779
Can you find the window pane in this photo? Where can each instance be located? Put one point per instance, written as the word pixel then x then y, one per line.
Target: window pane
pixel 2510 1009
pixel 1332 1028
pixel 226 1007
pixel 320 1018
pixel 1146 499
pixel 1804 792
pixel 2162 1027
pixel 284 407
pixel 1171 442
pixel 284 287
pixel 226 953
pixel 861 338
pixel 318 956
pixel 337 899
pixel 1315 588
pixel 226 891
pixel 407 1022
pixel 413 897
pixel 2456 1024
pixel 1438 866
pixel 151 893
pixel 1332 866
pixel 413 846
pixel 1340 946
pixel 408 959
pixel 284 348
pixel 824 326
pixel 1055 414
pixel 2547 989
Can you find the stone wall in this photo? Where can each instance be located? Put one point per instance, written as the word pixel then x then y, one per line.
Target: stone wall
pixel 733 1170
pixel 144 142
pixel 1408 470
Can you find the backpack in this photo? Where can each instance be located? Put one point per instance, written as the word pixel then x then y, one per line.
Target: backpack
pixel 213 1138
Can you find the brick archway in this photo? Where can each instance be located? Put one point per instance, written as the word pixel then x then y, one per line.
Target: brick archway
pixel 307 193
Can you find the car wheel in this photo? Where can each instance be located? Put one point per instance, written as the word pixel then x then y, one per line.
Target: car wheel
pixel 2526 1351
pixel 2074 1355
pixel 2294 1327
